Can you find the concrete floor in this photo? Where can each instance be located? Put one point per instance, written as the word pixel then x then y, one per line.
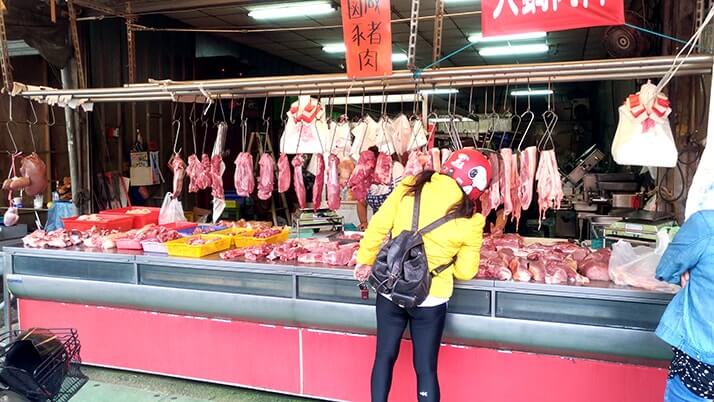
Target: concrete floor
pixel 121 386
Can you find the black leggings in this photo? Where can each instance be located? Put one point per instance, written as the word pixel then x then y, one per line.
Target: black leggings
pixel 426 325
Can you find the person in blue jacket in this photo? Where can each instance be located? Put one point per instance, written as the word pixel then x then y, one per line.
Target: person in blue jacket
pixel 688 322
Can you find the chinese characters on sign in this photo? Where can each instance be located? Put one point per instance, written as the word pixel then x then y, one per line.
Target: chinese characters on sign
pixel 367 30
pixel 504 17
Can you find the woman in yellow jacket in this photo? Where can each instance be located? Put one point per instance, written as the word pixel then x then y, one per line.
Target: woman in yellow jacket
pixel 463 178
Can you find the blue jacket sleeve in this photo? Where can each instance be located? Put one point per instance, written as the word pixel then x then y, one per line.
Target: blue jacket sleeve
pixel 685 250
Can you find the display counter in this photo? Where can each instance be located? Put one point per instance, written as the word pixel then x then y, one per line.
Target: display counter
pixel 107 296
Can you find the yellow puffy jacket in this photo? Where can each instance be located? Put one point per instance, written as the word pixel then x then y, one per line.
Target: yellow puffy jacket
pixel 459 237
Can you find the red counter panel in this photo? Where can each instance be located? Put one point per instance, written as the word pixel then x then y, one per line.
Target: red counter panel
pixel 330 365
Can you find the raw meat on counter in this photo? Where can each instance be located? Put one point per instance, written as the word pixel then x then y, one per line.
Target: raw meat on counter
pixel 59 238
pixel 298 180
pixel 361 177
pixel 178 167
pixel 243 179
pixel 200 241
pixel 266 180
pixel 383 169
pixel 267 232
pixel 283 173
pixel 333 183
pixel 304 251
pixel 242 223
pixel 595 265
pixel 492 266
pixel 319 182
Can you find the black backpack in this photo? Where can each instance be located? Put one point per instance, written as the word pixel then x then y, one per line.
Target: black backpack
pixel 401 269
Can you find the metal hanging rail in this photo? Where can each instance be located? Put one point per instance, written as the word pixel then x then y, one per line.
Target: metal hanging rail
pixel 453 77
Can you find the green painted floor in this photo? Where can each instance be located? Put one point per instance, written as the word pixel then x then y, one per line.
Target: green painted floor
pixel 121 386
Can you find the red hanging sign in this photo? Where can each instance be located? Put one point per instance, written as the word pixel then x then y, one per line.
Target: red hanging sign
pixel 505 17
pixel 367 30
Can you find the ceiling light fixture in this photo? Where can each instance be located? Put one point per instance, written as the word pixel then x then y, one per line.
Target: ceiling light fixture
pixel 399 58
pixel 290 10
pixel 338 47
pixel 439 91
pixel 532 92
pixel 494 51
pixel 478 37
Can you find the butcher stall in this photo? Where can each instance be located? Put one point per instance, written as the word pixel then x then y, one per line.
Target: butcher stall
pixel 213 319
pixel 275 307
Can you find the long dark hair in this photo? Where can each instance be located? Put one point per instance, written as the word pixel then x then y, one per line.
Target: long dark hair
pixel 464 208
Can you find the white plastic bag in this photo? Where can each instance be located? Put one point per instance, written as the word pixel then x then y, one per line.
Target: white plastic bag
pixel 644 136
pixel 171 210
pixel 636 266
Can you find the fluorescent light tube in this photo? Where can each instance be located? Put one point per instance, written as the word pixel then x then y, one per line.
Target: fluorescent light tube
pixel 439 91
pixel 290 10
pixel 513 50
pixel 448 119
pixel 338 47
pixel 478 37
pixel 532 92
pixel 399 57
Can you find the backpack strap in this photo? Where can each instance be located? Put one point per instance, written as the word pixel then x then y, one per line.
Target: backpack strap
pixel 441 268
pixel 415 213
pixel 437 223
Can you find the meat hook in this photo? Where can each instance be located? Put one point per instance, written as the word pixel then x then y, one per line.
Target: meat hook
pixel 32 123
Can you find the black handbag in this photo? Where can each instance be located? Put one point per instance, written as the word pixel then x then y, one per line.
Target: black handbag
pixel 401 269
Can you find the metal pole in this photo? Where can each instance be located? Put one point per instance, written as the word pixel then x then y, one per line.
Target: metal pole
pixel 69 81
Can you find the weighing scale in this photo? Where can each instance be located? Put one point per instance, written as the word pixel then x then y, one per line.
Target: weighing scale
pixel 314 221
pixel 641 227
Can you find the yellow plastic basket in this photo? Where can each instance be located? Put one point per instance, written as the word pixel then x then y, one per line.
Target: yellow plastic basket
pixel 247 240
pixel 180 248
pixel 232 232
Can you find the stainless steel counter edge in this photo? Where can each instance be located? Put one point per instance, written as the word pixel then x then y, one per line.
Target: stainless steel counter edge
pixel 556 338
pixel 600 290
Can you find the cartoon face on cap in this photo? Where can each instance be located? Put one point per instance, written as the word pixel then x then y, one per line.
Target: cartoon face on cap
pixel 478 180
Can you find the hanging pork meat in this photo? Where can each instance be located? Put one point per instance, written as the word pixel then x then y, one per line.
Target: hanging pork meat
pixel 515 180
pixel 319 182
pixel 528 170
pixel 550 190
pixel 243 178
pixel 283 173
pixel 178 167
pixel 413 166
pixel 214 171
pixel 192 171
pixel 361 177
pixel 297 163
pixel 345 169
pixel 266 178
pixel 33 176
pixel 505 164
pixel 333 183
pixel 383 169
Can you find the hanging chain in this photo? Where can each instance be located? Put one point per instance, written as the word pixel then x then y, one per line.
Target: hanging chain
pixel 130 43
pixel 413 32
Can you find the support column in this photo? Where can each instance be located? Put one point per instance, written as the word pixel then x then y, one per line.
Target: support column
pixel 69 80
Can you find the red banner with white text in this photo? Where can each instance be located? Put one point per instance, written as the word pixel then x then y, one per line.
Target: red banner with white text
pixel 367 30
pixel 506 17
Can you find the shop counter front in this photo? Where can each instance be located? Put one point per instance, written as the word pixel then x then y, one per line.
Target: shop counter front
pixel 305 330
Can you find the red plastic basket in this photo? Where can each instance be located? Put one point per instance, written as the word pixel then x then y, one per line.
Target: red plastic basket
pixel 110 222
pixel 140 220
